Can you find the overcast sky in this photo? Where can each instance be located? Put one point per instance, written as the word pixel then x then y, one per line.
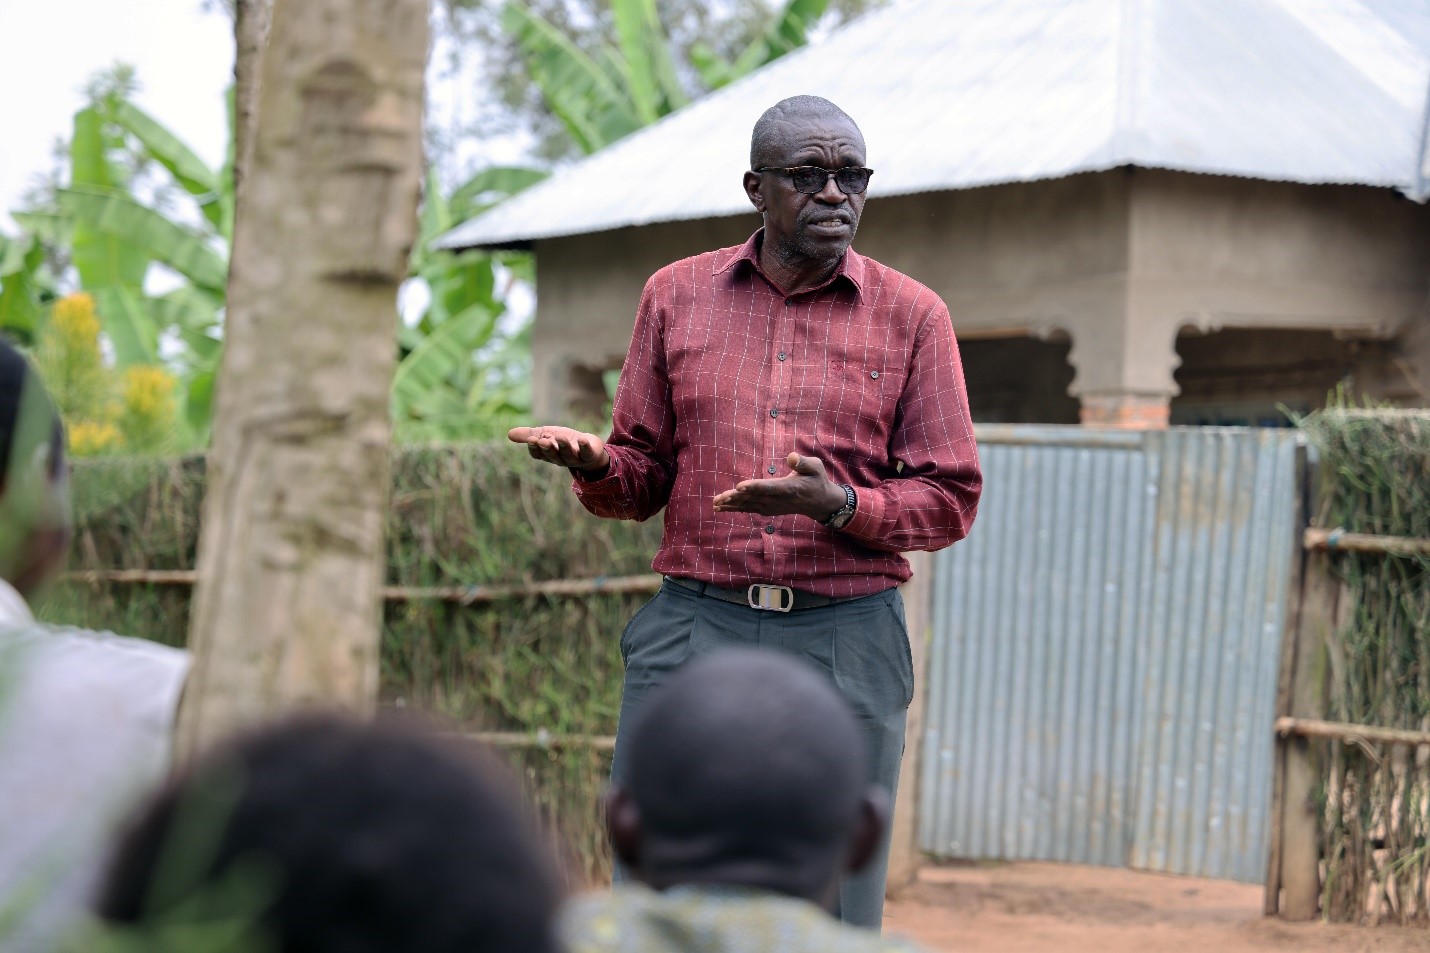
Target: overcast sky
pixel 184 59
pixel 49 48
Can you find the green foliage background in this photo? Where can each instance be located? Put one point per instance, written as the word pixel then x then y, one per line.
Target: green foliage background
pixel 574 75
pixel 461 515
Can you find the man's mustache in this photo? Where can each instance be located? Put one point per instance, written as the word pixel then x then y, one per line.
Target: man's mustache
pixel 843 214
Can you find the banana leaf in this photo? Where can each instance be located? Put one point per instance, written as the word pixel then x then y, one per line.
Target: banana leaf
pixel 587 96
pixel 205 348
pixel 489 187
pixel 129 324
pixel 51 227
pixel 654 87
pixel 20 261
pixel 787 30
pixel 459 281
pixel 187 307
pixel 182 162
pixel 435 217
pixel 420 384
pixel 121 220
pixel 715 71
pixel 198 402
pixel 13 252
pixel 225 174
pixel 102 258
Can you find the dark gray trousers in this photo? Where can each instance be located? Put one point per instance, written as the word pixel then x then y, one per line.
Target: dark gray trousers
pixel 862 645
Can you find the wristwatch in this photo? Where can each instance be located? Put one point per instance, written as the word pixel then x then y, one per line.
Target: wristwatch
pixel 845 513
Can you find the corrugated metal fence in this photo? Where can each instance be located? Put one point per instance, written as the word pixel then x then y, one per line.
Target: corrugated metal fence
pixel 1103 671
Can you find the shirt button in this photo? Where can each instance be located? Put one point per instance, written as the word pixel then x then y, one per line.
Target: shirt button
pixel 772 469
pixel 782 355
pixel 789 303
pixel 770 529
pixel 874 374
pixel 774 412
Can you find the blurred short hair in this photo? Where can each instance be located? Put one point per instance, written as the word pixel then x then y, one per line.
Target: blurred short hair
pixel 27 415
pixel 342 837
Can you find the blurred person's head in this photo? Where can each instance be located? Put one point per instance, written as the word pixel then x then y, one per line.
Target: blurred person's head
pixel 340 837
pixel 35 521
pixel 805 228
pixel 746 769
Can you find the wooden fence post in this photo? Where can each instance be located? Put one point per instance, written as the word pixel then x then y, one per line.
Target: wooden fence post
pixel 904 855
pixel 1302 759
pixel 1286 665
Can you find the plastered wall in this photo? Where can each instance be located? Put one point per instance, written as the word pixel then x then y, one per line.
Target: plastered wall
pixel 1116 263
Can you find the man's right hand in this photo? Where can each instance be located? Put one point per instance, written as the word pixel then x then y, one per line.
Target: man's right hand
pixel 564 447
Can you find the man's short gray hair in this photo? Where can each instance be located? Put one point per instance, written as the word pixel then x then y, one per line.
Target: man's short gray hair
pixel 770 133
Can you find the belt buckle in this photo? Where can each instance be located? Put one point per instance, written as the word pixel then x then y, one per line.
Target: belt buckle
pixel 770 598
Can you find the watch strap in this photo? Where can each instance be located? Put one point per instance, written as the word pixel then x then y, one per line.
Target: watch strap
pixel 839 517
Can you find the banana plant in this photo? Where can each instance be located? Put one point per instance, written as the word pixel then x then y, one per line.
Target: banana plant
pixel 113 239
pixel 788 30
pixel 606 95
pixel 24 288
pixel 452 377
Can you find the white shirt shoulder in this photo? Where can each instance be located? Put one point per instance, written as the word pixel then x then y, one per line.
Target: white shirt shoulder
pixel 86 728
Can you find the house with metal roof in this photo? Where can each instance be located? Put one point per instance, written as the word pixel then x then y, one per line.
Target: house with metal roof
pixel 1138 211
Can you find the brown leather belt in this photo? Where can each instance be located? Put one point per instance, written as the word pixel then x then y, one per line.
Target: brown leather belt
pixel 761 596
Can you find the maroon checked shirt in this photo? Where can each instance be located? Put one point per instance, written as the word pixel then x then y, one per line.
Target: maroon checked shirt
pixel 726 375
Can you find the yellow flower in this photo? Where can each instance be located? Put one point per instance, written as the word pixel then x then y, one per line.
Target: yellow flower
pixel 149 410
pixel 76 323
pixel 70 360
pixel 148 392
pixel 89 438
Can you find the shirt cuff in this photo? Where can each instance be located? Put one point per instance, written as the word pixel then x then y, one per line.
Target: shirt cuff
pixel 585 484
pixel 868 518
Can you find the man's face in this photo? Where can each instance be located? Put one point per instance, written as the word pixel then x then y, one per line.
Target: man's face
pixel 36 521
pixel 814 228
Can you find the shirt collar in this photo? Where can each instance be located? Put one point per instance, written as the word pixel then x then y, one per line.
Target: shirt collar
pixel 14 611
pixel 851 266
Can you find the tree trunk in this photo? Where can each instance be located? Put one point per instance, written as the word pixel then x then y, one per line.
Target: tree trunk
pixel 251 19
pixel 291 554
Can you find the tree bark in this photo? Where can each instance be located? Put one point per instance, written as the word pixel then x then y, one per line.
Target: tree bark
pixel 251 20
pixel 288 603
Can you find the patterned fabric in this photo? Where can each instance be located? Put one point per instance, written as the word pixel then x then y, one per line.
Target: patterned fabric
pixel 726 376
pixel 636 919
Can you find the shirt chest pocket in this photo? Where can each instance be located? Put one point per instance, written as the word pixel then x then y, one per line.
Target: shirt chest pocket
pixel 703 374
pixel 848 406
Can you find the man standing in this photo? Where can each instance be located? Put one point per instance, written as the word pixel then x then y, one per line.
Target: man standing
pixel 799 411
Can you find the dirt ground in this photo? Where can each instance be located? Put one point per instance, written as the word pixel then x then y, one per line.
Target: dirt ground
pixel 1059 908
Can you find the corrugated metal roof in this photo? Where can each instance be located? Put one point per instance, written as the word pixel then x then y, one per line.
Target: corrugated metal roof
pixel 955 94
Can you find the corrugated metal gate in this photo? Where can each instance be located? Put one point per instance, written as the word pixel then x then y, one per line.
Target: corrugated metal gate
pixel 1103 670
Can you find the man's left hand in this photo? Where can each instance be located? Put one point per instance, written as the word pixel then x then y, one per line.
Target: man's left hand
pixel 804 491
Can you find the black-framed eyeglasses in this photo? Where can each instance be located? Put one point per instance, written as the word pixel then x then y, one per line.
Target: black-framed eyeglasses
pixel 811 179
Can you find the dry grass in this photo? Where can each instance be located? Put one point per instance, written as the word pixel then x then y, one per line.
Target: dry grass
pixel 1377 797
